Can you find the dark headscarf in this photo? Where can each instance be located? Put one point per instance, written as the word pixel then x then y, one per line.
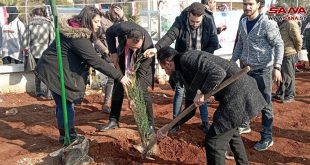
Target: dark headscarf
pixel 13 13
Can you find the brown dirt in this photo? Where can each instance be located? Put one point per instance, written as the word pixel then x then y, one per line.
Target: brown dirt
pixel 28 136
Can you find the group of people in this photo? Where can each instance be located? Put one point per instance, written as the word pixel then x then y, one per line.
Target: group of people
pixel 196 69
pixel 18 39
pixel 111 45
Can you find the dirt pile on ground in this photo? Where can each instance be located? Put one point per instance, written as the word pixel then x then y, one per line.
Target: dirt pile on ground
pixel 29 135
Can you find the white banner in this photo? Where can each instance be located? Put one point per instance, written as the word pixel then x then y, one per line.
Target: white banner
pixel 227 37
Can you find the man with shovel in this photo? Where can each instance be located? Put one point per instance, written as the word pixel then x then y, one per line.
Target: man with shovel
pixel 202 73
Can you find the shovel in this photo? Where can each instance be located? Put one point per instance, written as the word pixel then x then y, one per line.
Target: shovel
pixel 163 131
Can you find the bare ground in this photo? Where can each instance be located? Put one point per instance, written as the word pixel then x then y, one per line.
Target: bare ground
pixel 30 135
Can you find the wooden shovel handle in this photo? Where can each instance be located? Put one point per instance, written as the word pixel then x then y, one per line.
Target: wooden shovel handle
pixel 211 93
pixel 167 127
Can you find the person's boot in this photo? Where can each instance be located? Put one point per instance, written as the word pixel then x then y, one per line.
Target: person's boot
pixel 72 135
pixel 111 125
pixel 61 138
pixel 106 107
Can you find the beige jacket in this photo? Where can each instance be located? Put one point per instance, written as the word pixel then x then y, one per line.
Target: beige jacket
pixel 290 33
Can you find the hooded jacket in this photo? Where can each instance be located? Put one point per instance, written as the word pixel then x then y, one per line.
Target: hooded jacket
pixel 180 33
pixel 238 102
pixel 261 47
pixel 41 33
pixel 77 53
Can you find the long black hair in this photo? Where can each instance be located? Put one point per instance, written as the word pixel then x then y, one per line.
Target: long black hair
pixel 86 16
pixel 85 19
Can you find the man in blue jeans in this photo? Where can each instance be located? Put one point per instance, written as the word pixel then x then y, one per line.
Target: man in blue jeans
pixel 194 29
pixel 178 86
pixel 259 40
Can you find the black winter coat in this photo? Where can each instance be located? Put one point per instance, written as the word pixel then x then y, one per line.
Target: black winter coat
pixel 238 102
pixel 146 71
pixel 77 53
pixel 180 33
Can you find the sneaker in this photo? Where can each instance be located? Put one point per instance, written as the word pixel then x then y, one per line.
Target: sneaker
pixel 288 100
pixel 244 129
pixel 263 145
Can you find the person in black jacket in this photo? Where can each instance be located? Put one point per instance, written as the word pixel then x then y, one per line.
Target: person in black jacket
pixel 76 35
pixel 238 102
pixel 114 15
pixel 210 8
pixel 194 29
pixel 133 41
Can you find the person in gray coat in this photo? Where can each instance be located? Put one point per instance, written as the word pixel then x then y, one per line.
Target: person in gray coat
pixel 261 47
pixel 39 34
pixel 238 102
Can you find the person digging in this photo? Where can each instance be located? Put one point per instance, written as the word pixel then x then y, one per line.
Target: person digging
pixel 240 101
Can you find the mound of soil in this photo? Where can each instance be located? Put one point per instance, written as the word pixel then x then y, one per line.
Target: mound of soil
pixel 28 131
